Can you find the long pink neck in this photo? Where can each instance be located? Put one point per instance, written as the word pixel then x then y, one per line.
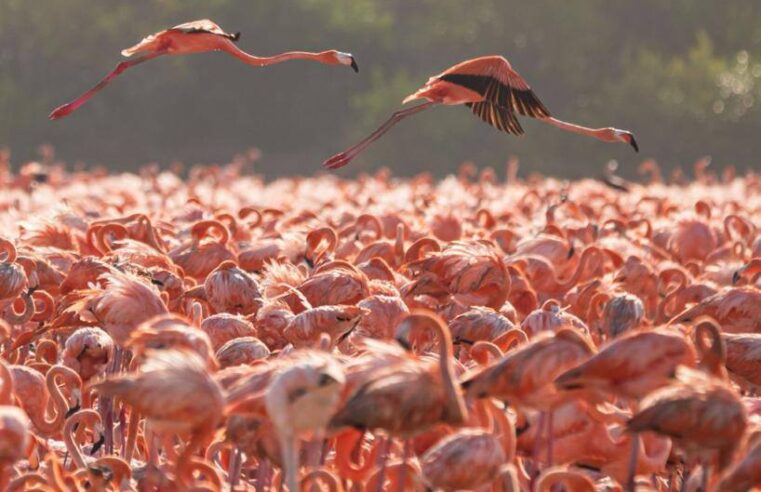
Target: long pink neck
pixel 262 61
pixel 598 133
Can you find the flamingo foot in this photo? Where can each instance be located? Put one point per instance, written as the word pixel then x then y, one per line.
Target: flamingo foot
pixel 62 111
pixel 337 161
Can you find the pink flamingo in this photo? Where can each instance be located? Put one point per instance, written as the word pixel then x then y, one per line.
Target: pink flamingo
pixel 494 92
pixel 198 37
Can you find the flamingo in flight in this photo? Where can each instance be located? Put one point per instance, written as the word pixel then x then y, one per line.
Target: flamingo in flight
pixel 198 37
pixel 494 92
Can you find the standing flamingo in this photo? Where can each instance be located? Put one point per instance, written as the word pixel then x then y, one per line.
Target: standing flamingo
pixel 494 92
pixel 297 393
pixel 198 37
pixel 701 414
pixel 410 397
pixel 632 366
pixel 175 392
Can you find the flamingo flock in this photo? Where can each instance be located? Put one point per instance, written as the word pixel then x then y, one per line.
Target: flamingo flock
pixel 378 334
pixel 222 333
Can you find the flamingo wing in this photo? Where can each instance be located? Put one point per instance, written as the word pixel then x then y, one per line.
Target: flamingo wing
pixel 205 26
pixel 502 119
pixel 504 91
pixel 155 42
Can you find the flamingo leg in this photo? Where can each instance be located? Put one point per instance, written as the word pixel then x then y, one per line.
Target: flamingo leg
pixel 262 475
pixel 630 485
pixel 68 108
pixel 129 449
pixel 314 452
pixel 344 158
pixel 549 437
pixel 683 487
pixel 153 450
pixel 234 469
pixel 403 471
pixel 106 405
pixel 706 475
pixel 123 428
pixel 539 432
pixel 324 451
pixel 383 459
pixel 290 451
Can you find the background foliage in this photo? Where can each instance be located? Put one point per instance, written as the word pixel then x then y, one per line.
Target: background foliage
pixel 684 75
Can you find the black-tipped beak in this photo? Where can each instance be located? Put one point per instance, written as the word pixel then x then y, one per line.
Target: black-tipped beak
pixel 354 65
pixel 98 444
pixel 404 343
pixel 348 332
pixel 73 410
pixel 633 142
pixel 326 379
pixel 736 276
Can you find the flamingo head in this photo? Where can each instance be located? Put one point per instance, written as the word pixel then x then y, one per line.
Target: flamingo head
pixel 625 137
pixel 347 318
pixel 342 58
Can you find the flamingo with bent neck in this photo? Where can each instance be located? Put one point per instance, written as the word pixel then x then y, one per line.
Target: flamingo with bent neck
pixel 409 397
pixel 33 390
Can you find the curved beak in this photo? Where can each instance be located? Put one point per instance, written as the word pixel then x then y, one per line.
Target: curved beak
pixel 633 142
pixel 354 65
pixel 98 444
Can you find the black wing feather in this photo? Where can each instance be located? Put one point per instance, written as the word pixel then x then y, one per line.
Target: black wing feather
pixel 522 101
pixel 503 119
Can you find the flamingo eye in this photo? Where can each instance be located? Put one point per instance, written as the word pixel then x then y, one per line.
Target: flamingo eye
pixel 342 318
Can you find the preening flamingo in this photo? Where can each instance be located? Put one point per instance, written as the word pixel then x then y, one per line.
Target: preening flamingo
pixel 494 92
pixel 198 37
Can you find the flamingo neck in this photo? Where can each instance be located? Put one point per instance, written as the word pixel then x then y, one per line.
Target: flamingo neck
pixel 262 61
pixel 9 249
pixel 455 406
pixel 68 436
pixel 598 133
pixel 399 244
pixel 583 262
pixel 6 393
pixel 59 401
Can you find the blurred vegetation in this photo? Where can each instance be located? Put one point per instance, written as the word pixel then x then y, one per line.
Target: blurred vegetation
pixel 684 75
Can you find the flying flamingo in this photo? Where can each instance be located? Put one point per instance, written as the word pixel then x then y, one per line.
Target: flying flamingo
pixel 198 37
pixel 494 92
